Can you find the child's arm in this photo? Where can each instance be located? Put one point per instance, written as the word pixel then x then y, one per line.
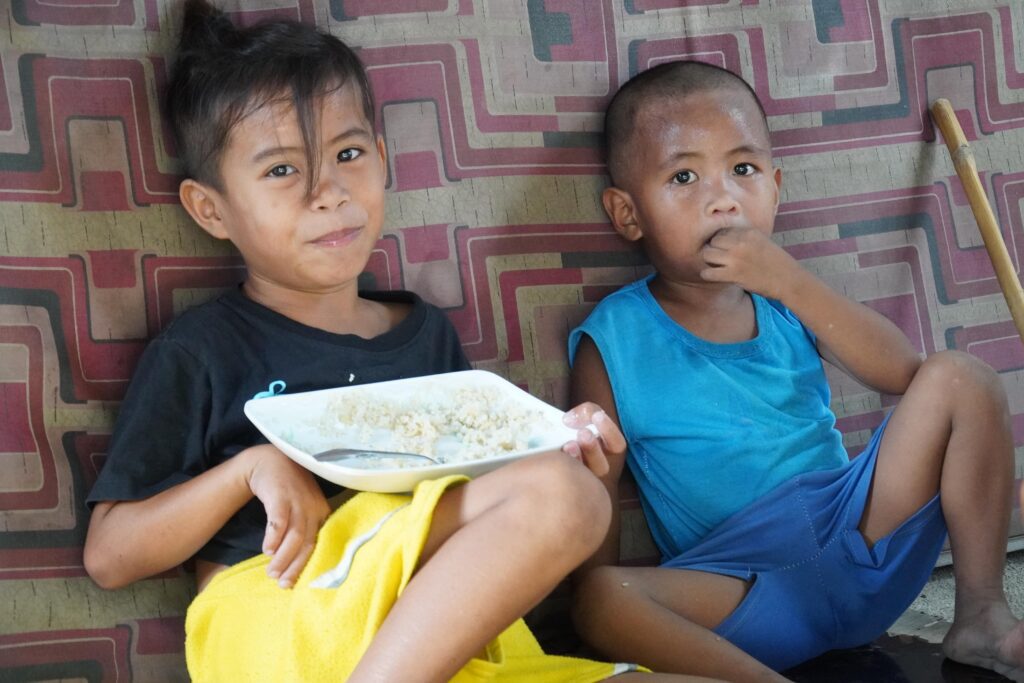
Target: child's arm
pixel 130 540
pixel 589 388
pixel 850 335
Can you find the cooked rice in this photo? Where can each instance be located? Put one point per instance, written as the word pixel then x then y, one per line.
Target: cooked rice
pixel 467 424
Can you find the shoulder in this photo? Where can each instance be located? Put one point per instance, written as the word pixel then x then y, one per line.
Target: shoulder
pixel 782 318
pixel 211 333
pixel 775 306
pixel 204 320
pixel 188 343
pixel 625 301
pixel 614 312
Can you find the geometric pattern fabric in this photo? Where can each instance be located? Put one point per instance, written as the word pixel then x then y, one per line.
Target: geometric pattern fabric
pixel 491 110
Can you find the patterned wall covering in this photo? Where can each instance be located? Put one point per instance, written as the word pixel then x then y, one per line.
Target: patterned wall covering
pixel 491 112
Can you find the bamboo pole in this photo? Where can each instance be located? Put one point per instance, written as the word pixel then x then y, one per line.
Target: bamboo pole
pixel 967 170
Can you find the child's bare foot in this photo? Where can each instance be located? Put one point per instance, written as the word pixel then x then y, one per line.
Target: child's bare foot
pixel 989 637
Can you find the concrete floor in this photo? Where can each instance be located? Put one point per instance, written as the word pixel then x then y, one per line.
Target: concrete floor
pixel 931 614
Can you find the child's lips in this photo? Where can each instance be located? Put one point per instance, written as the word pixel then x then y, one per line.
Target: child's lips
pixel 714 233
pixel 337 237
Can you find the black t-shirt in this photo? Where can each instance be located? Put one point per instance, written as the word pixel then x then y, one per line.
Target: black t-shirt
pixel 183 415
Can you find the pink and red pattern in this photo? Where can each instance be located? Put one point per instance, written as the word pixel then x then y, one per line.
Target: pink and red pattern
pixel 492 111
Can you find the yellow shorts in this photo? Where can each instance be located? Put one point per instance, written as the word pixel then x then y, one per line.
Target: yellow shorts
pixel 243 627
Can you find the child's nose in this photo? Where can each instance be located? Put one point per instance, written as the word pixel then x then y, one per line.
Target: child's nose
pixel 722 197
pixel 330 191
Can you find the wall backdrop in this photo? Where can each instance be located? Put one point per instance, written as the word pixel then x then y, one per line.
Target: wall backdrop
pixel 491 109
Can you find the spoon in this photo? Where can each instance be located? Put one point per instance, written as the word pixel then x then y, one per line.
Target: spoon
pixel 364 458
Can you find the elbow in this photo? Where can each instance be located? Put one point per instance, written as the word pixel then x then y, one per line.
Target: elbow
pixel 104 566
pixel 105 583
pixel 101 558
pixel 101 571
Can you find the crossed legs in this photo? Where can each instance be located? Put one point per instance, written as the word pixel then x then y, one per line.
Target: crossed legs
pixel 497 545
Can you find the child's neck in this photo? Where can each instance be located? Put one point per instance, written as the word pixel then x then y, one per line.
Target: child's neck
pixel 719 313
pixel 340 311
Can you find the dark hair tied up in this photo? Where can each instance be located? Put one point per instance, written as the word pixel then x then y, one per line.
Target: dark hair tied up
pixel 223 72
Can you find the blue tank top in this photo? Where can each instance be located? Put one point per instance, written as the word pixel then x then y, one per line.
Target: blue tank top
pixel 711 427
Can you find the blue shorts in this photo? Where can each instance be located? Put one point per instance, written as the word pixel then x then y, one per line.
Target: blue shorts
pixel 816 584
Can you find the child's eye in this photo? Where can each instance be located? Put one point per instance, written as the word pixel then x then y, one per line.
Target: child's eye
pixel 684 177
pixel 349 154
pixel 281 170
pixel 744 169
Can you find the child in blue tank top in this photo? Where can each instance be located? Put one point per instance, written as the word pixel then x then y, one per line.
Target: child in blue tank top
pixel 776 546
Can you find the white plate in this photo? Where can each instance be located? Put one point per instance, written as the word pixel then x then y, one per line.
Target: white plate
pixel 291 419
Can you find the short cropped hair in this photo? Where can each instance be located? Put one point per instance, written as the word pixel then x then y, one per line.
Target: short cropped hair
pixel 223 73
pixel 670 80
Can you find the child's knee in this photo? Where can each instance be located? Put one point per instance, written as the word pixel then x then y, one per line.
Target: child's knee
pixel 563 496
pixel 962 376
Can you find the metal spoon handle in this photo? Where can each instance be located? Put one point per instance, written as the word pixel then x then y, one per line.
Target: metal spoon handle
pixel 351 455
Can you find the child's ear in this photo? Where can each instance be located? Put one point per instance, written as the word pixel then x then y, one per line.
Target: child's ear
pixel 382 150
pixel 620 209
pixel 777 177
pixel 201 203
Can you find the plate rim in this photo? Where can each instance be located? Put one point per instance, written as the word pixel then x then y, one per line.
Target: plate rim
pixel 400 479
